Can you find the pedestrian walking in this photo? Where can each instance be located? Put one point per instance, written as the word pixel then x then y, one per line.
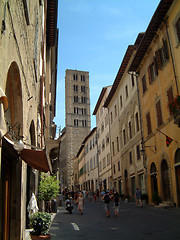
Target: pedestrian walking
pixel 80 201
pixel 116 204
pixel 138 197
pixel 107 201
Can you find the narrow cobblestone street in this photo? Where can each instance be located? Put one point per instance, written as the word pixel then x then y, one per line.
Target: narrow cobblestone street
pixel 133 223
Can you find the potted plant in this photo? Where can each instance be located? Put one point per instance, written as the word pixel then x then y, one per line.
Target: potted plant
pixel 174 109
pixel 48 189
pixel 156 198
pixel 40 222
pixel 144 198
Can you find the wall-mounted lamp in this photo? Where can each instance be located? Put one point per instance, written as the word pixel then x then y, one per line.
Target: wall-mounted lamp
pixel 18 144
pixel 152 148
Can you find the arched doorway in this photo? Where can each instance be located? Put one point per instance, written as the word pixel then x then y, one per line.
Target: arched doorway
pixel 153 173
pixel 30 182
pixel 177 172
pixel 165 181
pixel 126 183
pixel 11 166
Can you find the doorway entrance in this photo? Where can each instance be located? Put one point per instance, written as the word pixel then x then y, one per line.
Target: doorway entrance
pixel 165 181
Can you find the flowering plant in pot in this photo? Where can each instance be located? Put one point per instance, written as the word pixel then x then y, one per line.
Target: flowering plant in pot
pixel 174 109
pixel 174 106
pixel 40 222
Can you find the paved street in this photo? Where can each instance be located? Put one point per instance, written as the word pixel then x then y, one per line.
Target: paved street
pixel 133 223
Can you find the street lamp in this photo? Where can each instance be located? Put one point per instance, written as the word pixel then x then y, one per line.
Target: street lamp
pixel 143 149
pixel 18 146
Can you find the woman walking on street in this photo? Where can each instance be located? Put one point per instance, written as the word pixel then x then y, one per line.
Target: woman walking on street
pixel 116 204
pixel 80 201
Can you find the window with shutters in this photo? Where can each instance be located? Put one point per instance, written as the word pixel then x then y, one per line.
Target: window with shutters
pixel 75 77
pixel 26 4
pixel 83 89
pixel 111 118
pixel 113 151
pixel 164 52
pixel 75 98
pixel 75 88
pixel 152 71
pixel 76 110
pixel 130 130
pixel 75 122
pixel 114 169
pixel 83 100
pixel 121 102
pixel 126 90
pixel 82 78
pixel 104 162
pixel 144 85
pixel 176 24
pixel 138 152
pixel 83 123
pixel 117 141
pixel 148 122
pixel 119 166
pixel 130 158
pixel 170 95
pixel 108 159
pixel 115 110
pixel 162 55
pixel 137 121
pixel 132 79
pixel 124 136
pixel 159 113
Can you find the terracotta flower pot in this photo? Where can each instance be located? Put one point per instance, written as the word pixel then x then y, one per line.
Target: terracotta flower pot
pixel 35 237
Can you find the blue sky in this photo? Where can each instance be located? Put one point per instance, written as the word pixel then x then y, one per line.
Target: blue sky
pixel 93 37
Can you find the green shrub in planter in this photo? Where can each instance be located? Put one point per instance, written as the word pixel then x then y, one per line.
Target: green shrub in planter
pixel 156 198
pixel 40 222
pixel 144 197
pixel 48 189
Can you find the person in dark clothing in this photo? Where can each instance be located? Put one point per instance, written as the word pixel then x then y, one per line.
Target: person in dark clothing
pixel 107 200
pixel 138 197
pixel 116 204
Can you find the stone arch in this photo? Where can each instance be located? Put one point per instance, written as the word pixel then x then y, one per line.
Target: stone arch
pixel 11 167
pixel 14 113
pixel 31 177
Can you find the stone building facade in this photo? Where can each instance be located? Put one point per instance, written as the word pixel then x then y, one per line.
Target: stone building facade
pixel 26 45
pixel 78 124
pixel 103 141
pixel 159 84
pixel 125 133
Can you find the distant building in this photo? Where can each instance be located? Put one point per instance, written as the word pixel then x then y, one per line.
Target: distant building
pixel 103 140
pixel 78 125
pixel 87 163
pixel 128 171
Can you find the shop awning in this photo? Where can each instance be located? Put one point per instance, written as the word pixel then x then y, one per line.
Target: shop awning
pixel 36 159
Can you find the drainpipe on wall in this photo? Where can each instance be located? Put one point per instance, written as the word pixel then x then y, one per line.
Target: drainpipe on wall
pixel 175 76
pixel 142 138
pixel 42 79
